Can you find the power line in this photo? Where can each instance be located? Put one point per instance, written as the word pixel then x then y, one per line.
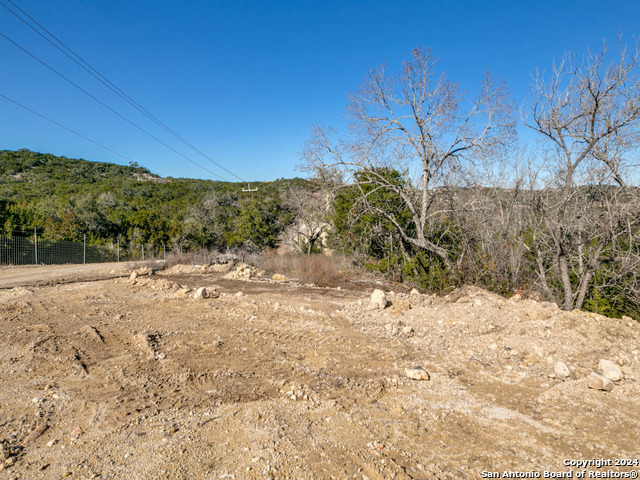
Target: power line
pixel 66 128
pixel 108 107
pixel 106 82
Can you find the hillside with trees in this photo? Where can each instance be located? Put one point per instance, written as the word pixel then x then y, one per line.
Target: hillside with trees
pixel 67 198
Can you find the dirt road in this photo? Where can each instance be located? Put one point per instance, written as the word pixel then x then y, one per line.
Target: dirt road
pixel 119 380
pixel 15 276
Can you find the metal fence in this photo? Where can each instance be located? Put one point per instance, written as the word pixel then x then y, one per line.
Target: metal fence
pixel 23 249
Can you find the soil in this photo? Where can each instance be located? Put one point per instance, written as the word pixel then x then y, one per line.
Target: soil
pixel 136 379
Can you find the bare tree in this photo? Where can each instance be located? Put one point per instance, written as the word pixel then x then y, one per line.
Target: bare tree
pixel 419 124
pixel 587 113
pixel 310 208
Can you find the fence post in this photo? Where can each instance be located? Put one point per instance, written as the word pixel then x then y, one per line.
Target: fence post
pixel 118 250
pixel 164 252
pixel 143 251
pixel 35 236
pixel 84 249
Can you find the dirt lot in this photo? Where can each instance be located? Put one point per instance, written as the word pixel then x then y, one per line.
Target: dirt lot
pixel 121 379
pixel 37 275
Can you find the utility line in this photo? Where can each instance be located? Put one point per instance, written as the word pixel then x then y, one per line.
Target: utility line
pixel 108 107
pixel 106 82
pixel 66 128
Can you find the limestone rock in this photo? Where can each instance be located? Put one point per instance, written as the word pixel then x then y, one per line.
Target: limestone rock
pixel 561 370
pixel 202 292
pixel 599 382
pixel 378 300
pixel 416 373
pixel 399 306
pixel 414 292
pixel 407 331
pixel 133 277
pixel 279 277
pixel 609 370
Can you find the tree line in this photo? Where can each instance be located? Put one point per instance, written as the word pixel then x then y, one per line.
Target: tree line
pixel 68 198
pixel 425 184
pixel 432 184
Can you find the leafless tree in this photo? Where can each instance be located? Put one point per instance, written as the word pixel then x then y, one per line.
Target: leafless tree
pixel 583 207
pixel 310 208
pixel 419 124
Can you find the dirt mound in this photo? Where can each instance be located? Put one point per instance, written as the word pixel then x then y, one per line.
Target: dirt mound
pixel 124 379
pixel 182 269
pixel 243 271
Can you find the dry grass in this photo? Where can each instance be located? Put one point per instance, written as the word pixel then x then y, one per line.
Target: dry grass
pixel 321 270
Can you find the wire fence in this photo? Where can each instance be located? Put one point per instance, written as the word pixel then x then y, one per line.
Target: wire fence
pixel 23 249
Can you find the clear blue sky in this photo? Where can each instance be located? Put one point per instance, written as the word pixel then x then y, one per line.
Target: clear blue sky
pixel 244 81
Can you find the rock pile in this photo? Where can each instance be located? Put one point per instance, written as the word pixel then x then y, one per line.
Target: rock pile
pixel 244 272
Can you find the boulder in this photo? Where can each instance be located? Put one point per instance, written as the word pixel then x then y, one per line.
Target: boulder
pixel 378 300
pixel 599 382
pixel 609 370
pixel 201 293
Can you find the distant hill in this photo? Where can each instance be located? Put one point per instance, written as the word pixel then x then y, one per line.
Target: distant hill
pixel 68 198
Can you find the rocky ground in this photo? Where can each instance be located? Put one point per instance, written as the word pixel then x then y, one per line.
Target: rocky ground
pixel 148 377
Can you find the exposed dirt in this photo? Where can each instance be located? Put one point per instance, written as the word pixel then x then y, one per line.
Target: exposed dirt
pixel 55 274
pixel 122 379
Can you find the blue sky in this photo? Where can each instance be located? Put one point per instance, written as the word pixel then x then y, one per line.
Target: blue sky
pixel 244 81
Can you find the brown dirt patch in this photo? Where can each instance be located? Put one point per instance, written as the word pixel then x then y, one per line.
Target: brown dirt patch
pixel 290 381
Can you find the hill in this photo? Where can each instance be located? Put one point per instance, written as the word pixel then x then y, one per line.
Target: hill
pixel 68 198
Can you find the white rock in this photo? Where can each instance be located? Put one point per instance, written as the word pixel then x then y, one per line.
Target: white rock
pixel 610 370
pixel 408 330
pixel 561 370
pixel 414 292
pixel 201 293
pixel 416 373
pixel 378 300
pixel 599 382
